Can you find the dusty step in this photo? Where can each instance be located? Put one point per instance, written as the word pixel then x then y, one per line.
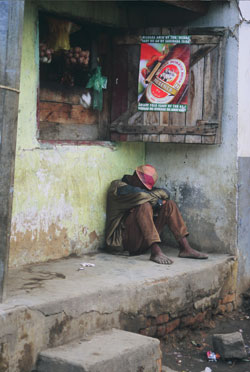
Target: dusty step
pixel 111 351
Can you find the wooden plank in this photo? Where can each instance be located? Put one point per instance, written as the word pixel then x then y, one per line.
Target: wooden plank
pixel 119 82
pixel 133 70
pixel 205 39
pixel 151 118
pixel 165 118
pixel 177 139
pixel 135 138
pixel 220 77
pixel 192 139
pixel 209 140
pixel 216 31
pixel 128 39
pixel 164 138
pixel 105 58
pixel 200 53
pixel 210 103
pixel 65 113
pixel 194 6
pixel 67 132
pixel 157 129
pixel 195 92
pixel 11 21
pixel 61 93
pixel 151 138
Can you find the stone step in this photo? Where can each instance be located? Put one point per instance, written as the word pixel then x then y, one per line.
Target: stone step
pixel 54 303
pixel 110 351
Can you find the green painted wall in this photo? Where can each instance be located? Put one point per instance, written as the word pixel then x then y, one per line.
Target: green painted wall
pixel 60 190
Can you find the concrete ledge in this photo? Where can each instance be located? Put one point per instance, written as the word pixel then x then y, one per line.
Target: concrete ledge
pixel 53 303
pixel 113 350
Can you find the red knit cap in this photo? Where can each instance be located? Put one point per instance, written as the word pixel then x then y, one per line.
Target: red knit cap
pixel 147 175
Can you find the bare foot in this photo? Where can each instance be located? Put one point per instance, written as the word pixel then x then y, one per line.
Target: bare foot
pixel 159 257
pixel 187 252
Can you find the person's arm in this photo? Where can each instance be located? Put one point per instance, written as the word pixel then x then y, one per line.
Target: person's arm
pixel 161 193
pixel 155 197
pixel 128 189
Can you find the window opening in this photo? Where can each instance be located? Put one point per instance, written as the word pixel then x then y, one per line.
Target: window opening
pixel 73 61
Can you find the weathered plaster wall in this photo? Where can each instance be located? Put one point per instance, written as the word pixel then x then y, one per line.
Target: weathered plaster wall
pixel 244 151
pixel 60 190
pixel 203 179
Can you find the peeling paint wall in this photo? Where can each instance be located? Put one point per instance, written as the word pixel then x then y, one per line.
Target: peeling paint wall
pixel 203 179
pixel 60 190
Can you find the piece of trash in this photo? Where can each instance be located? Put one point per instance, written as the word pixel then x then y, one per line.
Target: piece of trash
pixel 245 360
pixel 85 264
pixel 196 344
pixel 241 330
pixel 212 357
pixel 207 369
pixel 230 362
pixel 85 100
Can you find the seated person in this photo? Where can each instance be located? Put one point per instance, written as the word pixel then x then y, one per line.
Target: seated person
pixel 137 213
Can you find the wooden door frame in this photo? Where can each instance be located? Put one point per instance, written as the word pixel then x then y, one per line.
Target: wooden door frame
pixel 11 18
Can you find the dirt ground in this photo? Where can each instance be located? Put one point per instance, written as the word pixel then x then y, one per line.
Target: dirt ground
pixel 185 350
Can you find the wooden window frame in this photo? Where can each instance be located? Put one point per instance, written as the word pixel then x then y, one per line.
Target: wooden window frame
pixel 200 124
pixel 94 131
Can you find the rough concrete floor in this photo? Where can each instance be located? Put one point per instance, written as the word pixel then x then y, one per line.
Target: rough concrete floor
pixel 53 303
pixel 57 280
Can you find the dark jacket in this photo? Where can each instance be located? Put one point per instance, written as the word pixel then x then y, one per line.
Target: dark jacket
pixel 121 198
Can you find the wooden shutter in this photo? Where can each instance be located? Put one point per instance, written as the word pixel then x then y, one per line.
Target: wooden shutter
pixel 202 122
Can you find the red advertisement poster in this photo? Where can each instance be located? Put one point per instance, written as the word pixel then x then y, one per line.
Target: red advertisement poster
pixel 163 73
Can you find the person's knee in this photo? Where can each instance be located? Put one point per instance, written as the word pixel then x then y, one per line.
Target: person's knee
pixel 145 207
pixel 170 205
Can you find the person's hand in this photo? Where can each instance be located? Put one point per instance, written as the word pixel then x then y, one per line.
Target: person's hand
pixel 153 61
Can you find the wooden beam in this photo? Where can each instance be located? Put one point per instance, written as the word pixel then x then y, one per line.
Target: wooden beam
pixel 200 7
pixel 203 128
pixel 11 21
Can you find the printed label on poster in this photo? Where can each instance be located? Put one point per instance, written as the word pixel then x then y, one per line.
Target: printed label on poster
pixel 163 73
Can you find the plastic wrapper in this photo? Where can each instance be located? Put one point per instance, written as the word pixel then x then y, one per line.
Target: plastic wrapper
pixel 212 357
pixel 98 83
pixel 59 31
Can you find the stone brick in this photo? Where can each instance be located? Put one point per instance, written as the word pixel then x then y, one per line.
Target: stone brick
pixel 172 325
pixel 192 320
pixel 230 307
pixel 143 332
pixel 221 309
pixel 150 331
pixel 161 319
pixel 228 298
pixel 148 322
pixel 161 330
pixel 230 345
pixel 206 302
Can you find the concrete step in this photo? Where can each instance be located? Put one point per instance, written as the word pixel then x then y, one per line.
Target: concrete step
pixel 54 303
pixel 110 351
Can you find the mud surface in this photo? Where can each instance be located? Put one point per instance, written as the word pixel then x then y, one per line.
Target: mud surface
pixel 185 351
